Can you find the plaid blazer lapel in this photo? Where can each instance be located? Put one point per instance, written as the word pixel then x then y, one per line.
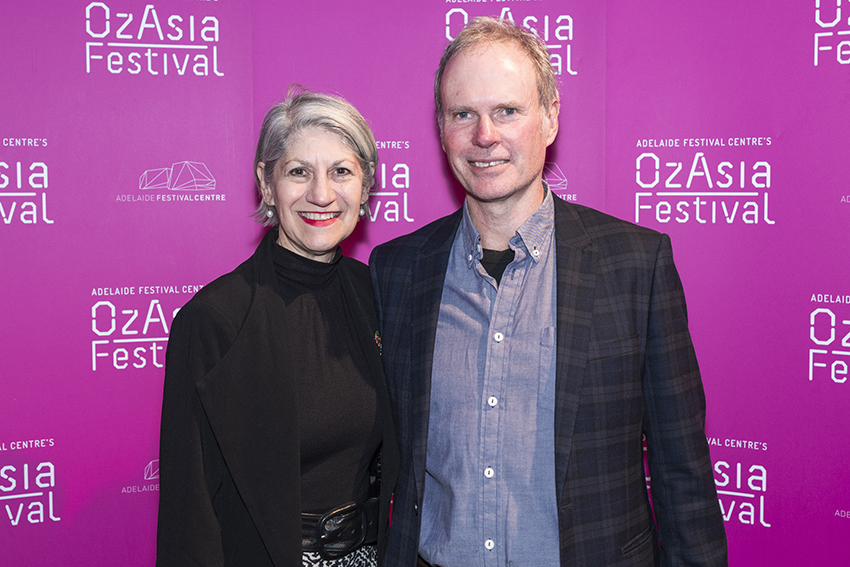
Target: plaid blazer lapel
pixel 576 290
pixel 429 272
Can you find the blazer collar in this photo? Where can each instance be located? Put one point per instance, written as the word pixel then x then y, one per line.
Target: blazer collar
pixel 252 405
pixel 427 277
pixel 576 262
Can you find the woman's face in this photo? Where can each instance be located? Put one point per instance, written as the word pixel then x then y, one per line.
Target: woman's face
pixel 317 193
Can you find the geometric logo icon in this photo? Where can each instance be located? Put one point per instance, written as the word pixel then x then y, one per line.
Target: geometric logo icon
pixel 555 177
pixel 152 470
pixel 191 176
pixel 155 179
pixel 181 176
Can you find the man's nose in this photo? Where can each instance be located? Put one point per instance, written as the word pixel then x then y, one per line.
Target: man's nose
pixel 486 132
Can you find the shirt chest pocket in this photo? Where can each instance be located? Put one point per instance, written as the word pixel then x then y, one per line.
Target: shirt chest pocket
pixel 546 379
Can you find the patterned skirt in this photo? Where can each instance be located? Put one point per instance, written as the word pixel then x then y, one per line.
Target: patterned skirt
pixel 366 556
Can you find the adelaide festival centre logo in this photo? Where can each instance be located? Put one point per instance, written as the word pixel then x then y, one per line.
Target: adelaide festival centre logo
pixel 184 181
pixel 555 30
pixel 181 176
pixel 557 181
pixel 151 474
pixel 152 470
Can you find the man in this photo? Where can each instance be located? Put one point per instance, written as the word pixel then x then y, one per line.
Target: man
pixel 529 345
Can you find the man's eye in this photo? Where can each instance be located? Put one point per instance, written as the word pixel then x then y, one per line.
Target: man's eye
pixel 462 115
pixel 510 111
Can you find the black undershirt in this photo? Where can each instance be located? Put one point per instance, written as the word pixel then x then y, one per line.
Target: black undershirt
pixel 495 262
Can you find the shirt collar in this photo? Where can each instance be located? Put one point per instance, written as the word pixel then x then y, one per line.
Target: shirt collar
pixel 533 235
pixel 537 229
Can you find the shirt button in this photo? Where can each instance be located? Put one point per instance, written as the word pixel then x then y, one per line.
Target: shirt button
pixel 489 472
pixel 492 401
pixel 489 544
pixel 470 258
pixel 498 337
pixel 535 253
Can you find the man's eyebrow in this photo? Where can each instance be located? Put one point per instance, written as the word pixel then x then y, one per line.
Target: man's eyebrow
pixel 511 104
pixel 500 106
pixel 456 109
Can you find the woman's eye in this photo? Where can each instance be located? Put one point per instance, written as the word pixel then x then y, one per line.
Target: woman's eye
pixel 342 171
pixel 297 171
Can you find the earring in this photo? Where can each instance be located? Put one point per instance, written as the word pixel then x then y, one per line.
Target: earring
pixel 269 213
pixel 363 210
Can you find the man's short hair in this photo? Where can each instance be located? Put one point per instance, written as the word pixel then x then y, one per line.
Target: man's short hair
pixel 483 30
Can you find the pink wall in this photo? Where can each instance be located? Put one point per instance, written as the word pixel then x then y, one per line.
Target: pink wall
pixel 127 134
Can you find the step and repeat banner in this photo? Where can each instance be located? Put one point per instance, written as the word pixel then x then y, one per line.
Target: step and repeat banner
pixel 128 131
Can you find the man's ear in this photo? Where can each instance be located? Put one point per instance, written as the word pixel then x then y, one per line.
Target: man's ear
pixel 551 121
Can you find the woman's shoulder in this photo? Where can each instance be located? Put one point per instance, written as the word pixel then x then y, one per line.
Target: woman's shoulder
pixel 354 266
pixel 228 296
pixel 358 273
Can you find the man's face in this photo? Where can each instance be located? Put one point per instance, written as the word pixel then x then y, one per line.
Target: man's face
pixel 493 131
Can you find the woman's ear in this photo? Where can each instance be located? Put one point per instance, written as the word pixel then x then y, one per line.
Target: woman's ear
pixel 365 196
pixel 266 191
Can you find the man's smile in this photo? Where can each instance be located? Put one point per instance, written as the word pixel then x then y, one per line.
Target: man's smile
pixel 488 163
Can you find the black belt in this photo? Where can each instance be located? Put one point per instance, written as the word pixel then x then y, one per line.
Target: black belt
pixel 422 563
pixel 341 530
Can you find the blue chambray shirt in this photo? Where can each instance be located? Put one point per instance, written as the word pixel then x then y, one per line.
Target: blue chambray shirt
pixel 489 495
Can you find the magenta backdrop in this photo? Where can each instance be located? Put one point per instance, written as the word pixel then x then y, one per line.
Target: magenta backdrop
pixel 125 184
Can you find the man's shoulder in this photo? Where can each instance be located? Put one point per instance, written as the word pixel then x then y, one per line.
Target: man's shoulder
pixel 598 221
pixel 605 230
pixel 433 234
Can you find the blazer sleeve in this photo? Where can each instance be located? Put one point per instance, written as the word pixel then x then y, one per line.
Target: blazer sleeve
pixel 690 525
pixel 191 468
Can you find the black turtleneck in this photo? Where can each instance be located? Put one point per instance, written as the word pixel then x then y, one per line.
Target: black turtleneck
pixel 339 426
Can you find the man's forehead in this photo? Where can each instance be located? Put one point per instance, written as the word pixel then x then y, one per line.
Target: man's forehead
pixel 493 70
pixel 487 48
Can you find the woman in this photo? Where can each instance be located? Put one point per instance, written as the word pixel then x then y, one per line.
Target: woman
pixel 276 428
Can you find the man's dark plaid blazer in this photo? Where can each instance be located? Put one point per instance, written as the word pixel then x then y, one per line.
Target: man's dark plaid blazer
pixel 625 368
